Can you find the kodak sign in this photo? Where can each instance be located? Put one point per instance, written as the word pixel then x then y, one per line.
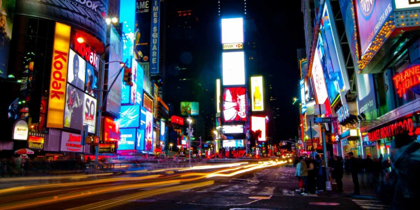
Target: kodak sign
pixel 58 79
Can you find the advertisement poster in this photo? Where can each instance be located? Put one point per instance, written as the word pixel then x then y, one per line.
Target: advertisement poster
pixel 125 94
pixel 347 9
pixel 114 97
pixel 233 68
pixel 91 80
pixel 36 142
pixel 7 10
pixel 148 102
pixel 155 28
pixel 86 15
pixel 234 104
pixel 142 30
pixel 73 115
pixel 71 142
pixel 319 81
pixel 129 116
pixel 258 123
pixel 149 131
pixel 76 71
pixel 128 139
pixel 89 113
pixel 257 94
pixel 139 92
pixel 111 130
pixel 232 30
pixel 190 108
pixel 302 96
pixel 371 16
pixel 140 145
pixel 143 118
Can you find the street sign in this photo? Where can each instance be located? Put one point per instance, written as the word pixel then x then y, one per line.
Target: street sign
pixel 322 120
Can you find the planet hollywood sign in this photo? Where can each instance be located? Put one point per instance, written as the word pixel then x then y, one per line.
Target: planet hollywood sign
pixel 398 127
pixel 407 79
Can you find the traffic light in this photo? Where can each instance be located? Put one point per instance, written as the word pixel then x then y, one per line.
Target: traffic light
pixel 127 76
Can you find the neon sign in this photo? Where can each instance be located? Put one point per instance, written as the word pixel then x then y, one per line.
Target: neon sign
pixel 392 130
pixel 87 52
pixel 407 79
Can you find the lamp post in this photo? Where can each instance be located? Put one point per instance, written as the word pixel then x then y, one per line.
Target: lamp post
pixel 215 140
pixel 190 132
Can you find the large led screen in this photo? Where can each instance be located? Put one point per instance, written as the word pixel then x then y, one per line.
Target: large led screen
pixel 234 104
pixel 76 71
pixel 233 68
pixel 128 139
pixel 371 16
pixel 218 93
pixel 232 30
pixel 115 54
pixel 302 96
pixel 258 123
pixel 7 10
pixel 129 116
pixel 73 114
pixel 257 94
pixel 89 113
pixel 149 131
pixel 230 129
pixel 189 108
pixel 91 80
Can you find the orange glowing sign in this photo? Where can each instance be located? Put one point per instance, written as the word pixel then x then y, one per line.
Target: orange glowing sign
pixel 407 79
pixel 57 94
pixel 111 130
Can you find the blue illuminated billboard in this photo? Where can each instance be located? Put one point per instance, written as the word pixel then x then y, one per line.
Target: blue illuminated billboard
pixel 128 139
pixel 129 116
pixel 140 145
pixel 143 118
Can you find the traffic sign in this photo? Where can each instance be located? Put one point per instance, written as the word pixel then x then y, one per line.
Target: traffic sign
pixel 322 120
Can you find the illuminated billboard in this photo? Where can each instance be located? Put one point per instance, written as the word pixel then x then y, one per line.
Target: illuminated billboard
pixel 371 17
pixel 229 129
pixel 155 33
pixel 232 30
pixel 218 93
pixel 140 145
pixel 233 68
pixel 149 131
pixel 233 143
pixel 143 118
pixel 57 93
pixel 7 10
pixel 258 123
pixel 71 142
pixel 142 31
pixel 115 54
pixel 91 80
pixel 234 104
pixel 77 70
pixel 128 139
pixel 302 95
pixel 407 4
pixel 319 81
pixel 257 93
pixel 189 108
pixel 73 116
pixel 129 116
pixel 148 102
pixel 111 130
pixel 89 113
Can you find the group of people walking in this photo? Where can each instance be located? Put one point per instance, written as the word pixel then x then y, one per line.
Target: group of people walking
pixel 311 174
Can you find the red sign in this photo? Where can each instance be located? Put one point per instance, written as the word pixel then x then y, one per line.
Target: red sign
pixel 86 51
pixel 111 130
pixel 177 120
pixel 71 142
pixel 407 79
pixel 393 129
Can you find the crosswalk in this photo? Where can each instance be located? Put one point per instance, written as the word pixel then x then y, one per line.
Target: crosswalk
pixel 371 204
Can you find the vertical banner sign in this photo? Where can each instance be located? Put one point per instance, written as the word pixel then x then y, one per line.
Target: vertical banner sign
pixel 57 94
pixel 257 94
pixel 7 10
pixel 116 54
pixel 142 31
pixel 302 95
pixel 218 93
pixel 155 96
pixel 154 47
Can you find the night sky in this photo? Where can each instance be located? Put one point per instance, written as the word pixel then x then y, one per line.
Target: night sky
pixel 279 32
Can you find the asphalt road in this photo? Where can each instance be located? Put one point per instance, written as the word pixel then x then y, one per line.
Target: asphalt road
pixel 251 186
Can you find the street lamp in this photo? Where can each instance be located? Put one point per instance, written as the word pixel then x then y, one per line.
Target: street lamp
pixel 190 132
pixel 170 146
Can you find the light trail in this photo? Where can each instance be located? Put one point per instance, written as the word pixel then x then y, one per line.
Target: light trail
pixel 75 184
pixel 75 195
pixel 74 176
pixel 128 198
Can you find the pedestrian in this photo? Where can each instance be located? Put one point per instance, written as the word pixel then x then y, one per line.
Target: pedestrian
pixel 354 170
pixel 302 174
pixel 338 172
pixel 312 173
pixel 406 164
pixel 320 179
pixel 347 164
pixel 369 166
